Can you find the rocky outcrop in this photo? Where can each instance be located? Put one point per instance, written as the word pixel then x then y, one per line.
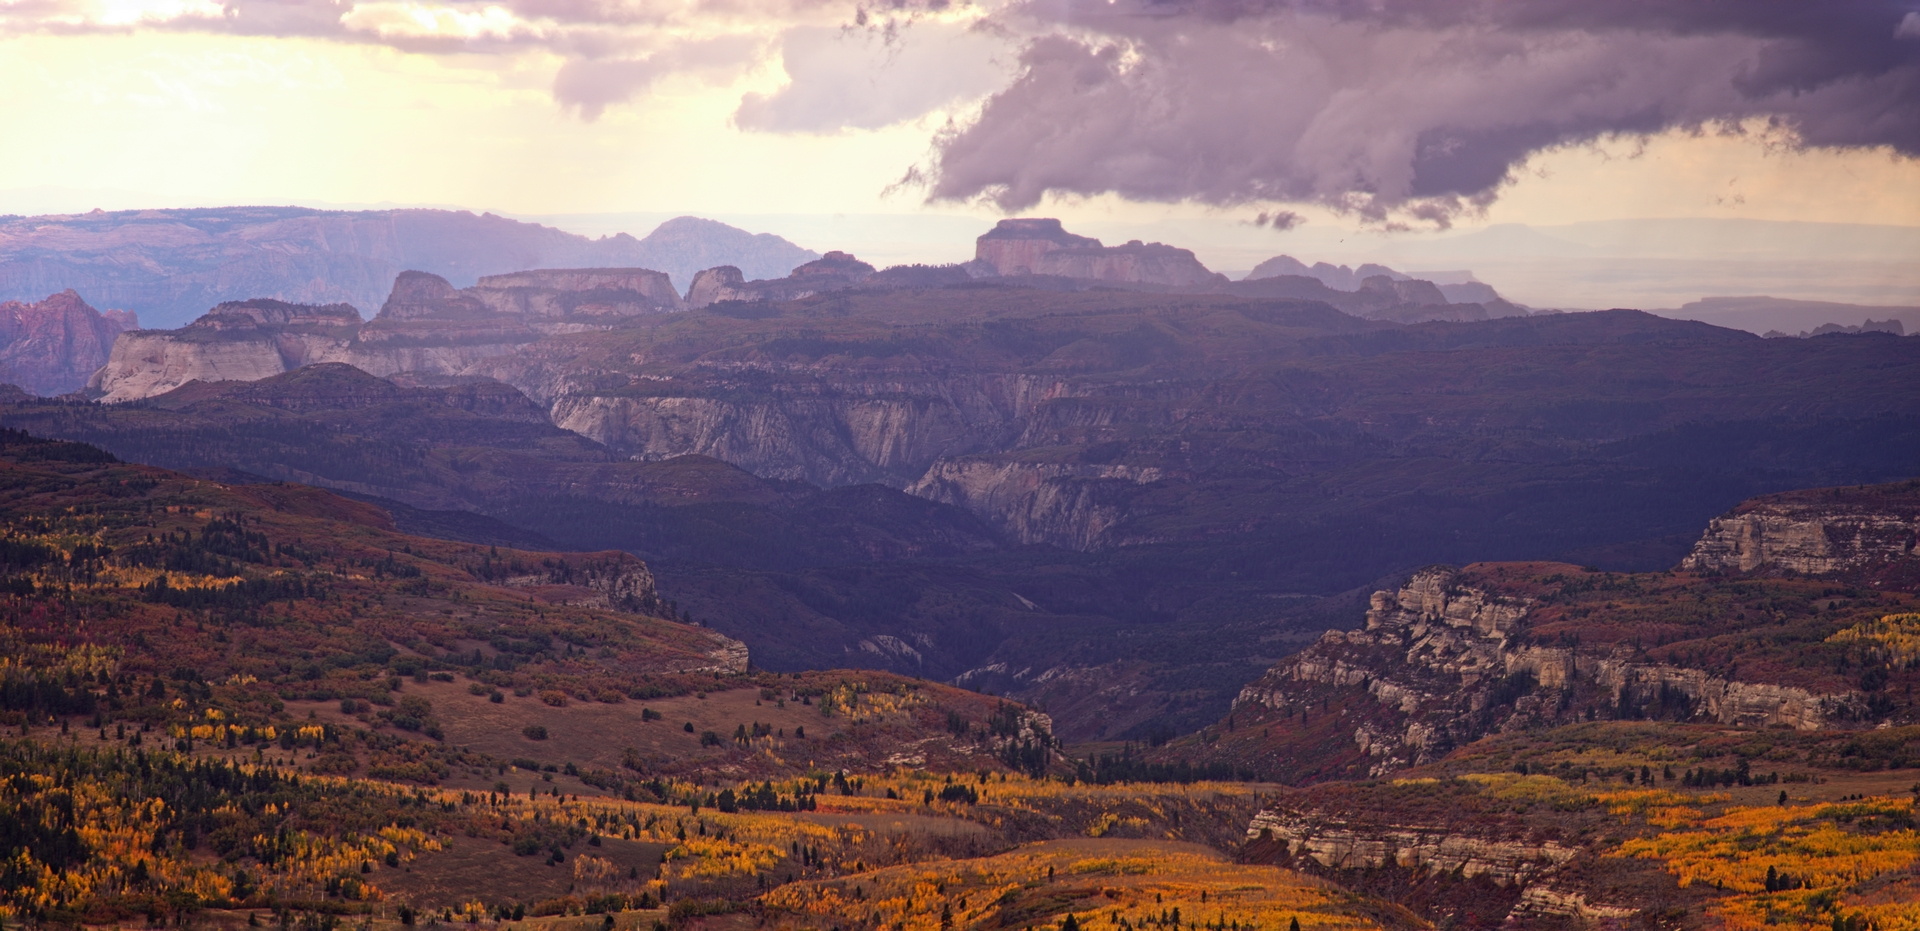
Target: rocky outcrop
pixel 536 297
pixel 1015 246
pixel 1337 843
pixel 1440 663
pixel 1072 505
pixel 237 341
pixel 54 345
pixel 1813 533
pixel 586 292
pixel 834 271
pixel 425 326
pixel 864 433
pixel 1041 246
pixel 614 580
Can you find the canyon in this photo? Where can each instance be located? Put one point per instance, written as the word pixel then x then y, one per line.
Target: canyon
pixel 1221 471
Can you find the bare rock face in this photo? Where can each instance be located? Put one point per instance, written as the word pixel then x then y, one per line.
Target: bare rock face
pixel 1071 505
pixel 52 346
pixel 585 292
pixel 425 296
pixel 1441 663
pixel 830 440
pixel 721 283
pixel 1014 247
pixel 426 326
pixel 1041 246
pixel 1334 843
pixel 237 341
pixel 1813 532
pixel 834 271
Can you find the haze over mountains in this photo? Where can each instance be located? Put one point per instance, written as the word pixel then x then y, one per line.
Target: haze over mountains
pixel 1434 560
pixel 902 468
pixel 171 265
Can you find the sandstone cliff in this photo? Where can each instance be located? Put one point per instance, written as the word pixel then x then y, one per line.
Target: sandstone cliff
pixel 238 341
pixel 425 326
pixel 52 346
pixel 1442 662
pixel 1072 505
pixel 1818 532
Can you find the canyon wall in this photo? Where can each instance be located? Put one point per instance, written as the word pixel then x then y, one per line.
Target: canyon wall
pixel 1811 533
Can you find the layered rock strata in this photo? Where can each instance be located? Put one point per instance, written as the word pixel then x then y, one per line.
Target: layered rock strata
pixel 1335 843
pixel 1811 533
pixel 425 326
pixel 1440 663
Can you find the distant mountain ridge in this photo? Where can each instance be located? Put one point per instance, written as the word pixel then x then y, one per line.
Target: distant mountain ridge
pixel 685 246
pixel 171 265
pixel 1777 316
pixel 1342 278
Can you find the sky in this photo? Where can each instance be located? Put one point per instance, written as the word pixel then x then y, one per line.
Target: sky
pixel 1261 125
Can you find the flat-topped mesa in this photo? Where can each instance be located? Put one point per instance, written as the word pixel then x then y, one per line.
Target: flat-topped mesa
pixel 834 271
pixel 1819 532
pixel 533 296
pixel 1041 246
pixel 1014 246
pixel 235 341
pixel 268 313
pixel 590 292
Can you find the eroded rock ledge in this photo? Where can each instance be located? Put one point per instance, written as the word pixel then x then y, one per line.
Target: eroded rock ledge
pixel 1440 663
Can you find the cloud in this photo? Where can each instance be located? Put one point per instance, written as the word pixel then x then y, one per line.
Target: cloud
pixel 591 85
pixel 611 50
pixel 866 79
pixel 1418 110
pixel 1279 220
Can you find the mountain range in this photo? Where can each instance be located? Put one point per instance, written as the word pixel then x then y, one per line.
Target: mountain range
pixel 906 469
pixel 171 265
pixel 1069 587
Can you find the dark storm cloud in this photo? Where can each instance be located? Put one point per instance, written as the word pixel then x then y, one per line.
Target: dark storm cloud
pixel 1395 107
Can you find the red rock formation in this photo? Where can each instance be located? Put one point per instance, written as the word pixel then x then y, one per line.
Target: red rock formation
pixel 51 347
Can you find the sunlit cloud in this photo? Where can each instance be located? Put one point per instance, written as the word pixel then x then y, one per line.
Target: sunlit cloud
pixel 423 21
